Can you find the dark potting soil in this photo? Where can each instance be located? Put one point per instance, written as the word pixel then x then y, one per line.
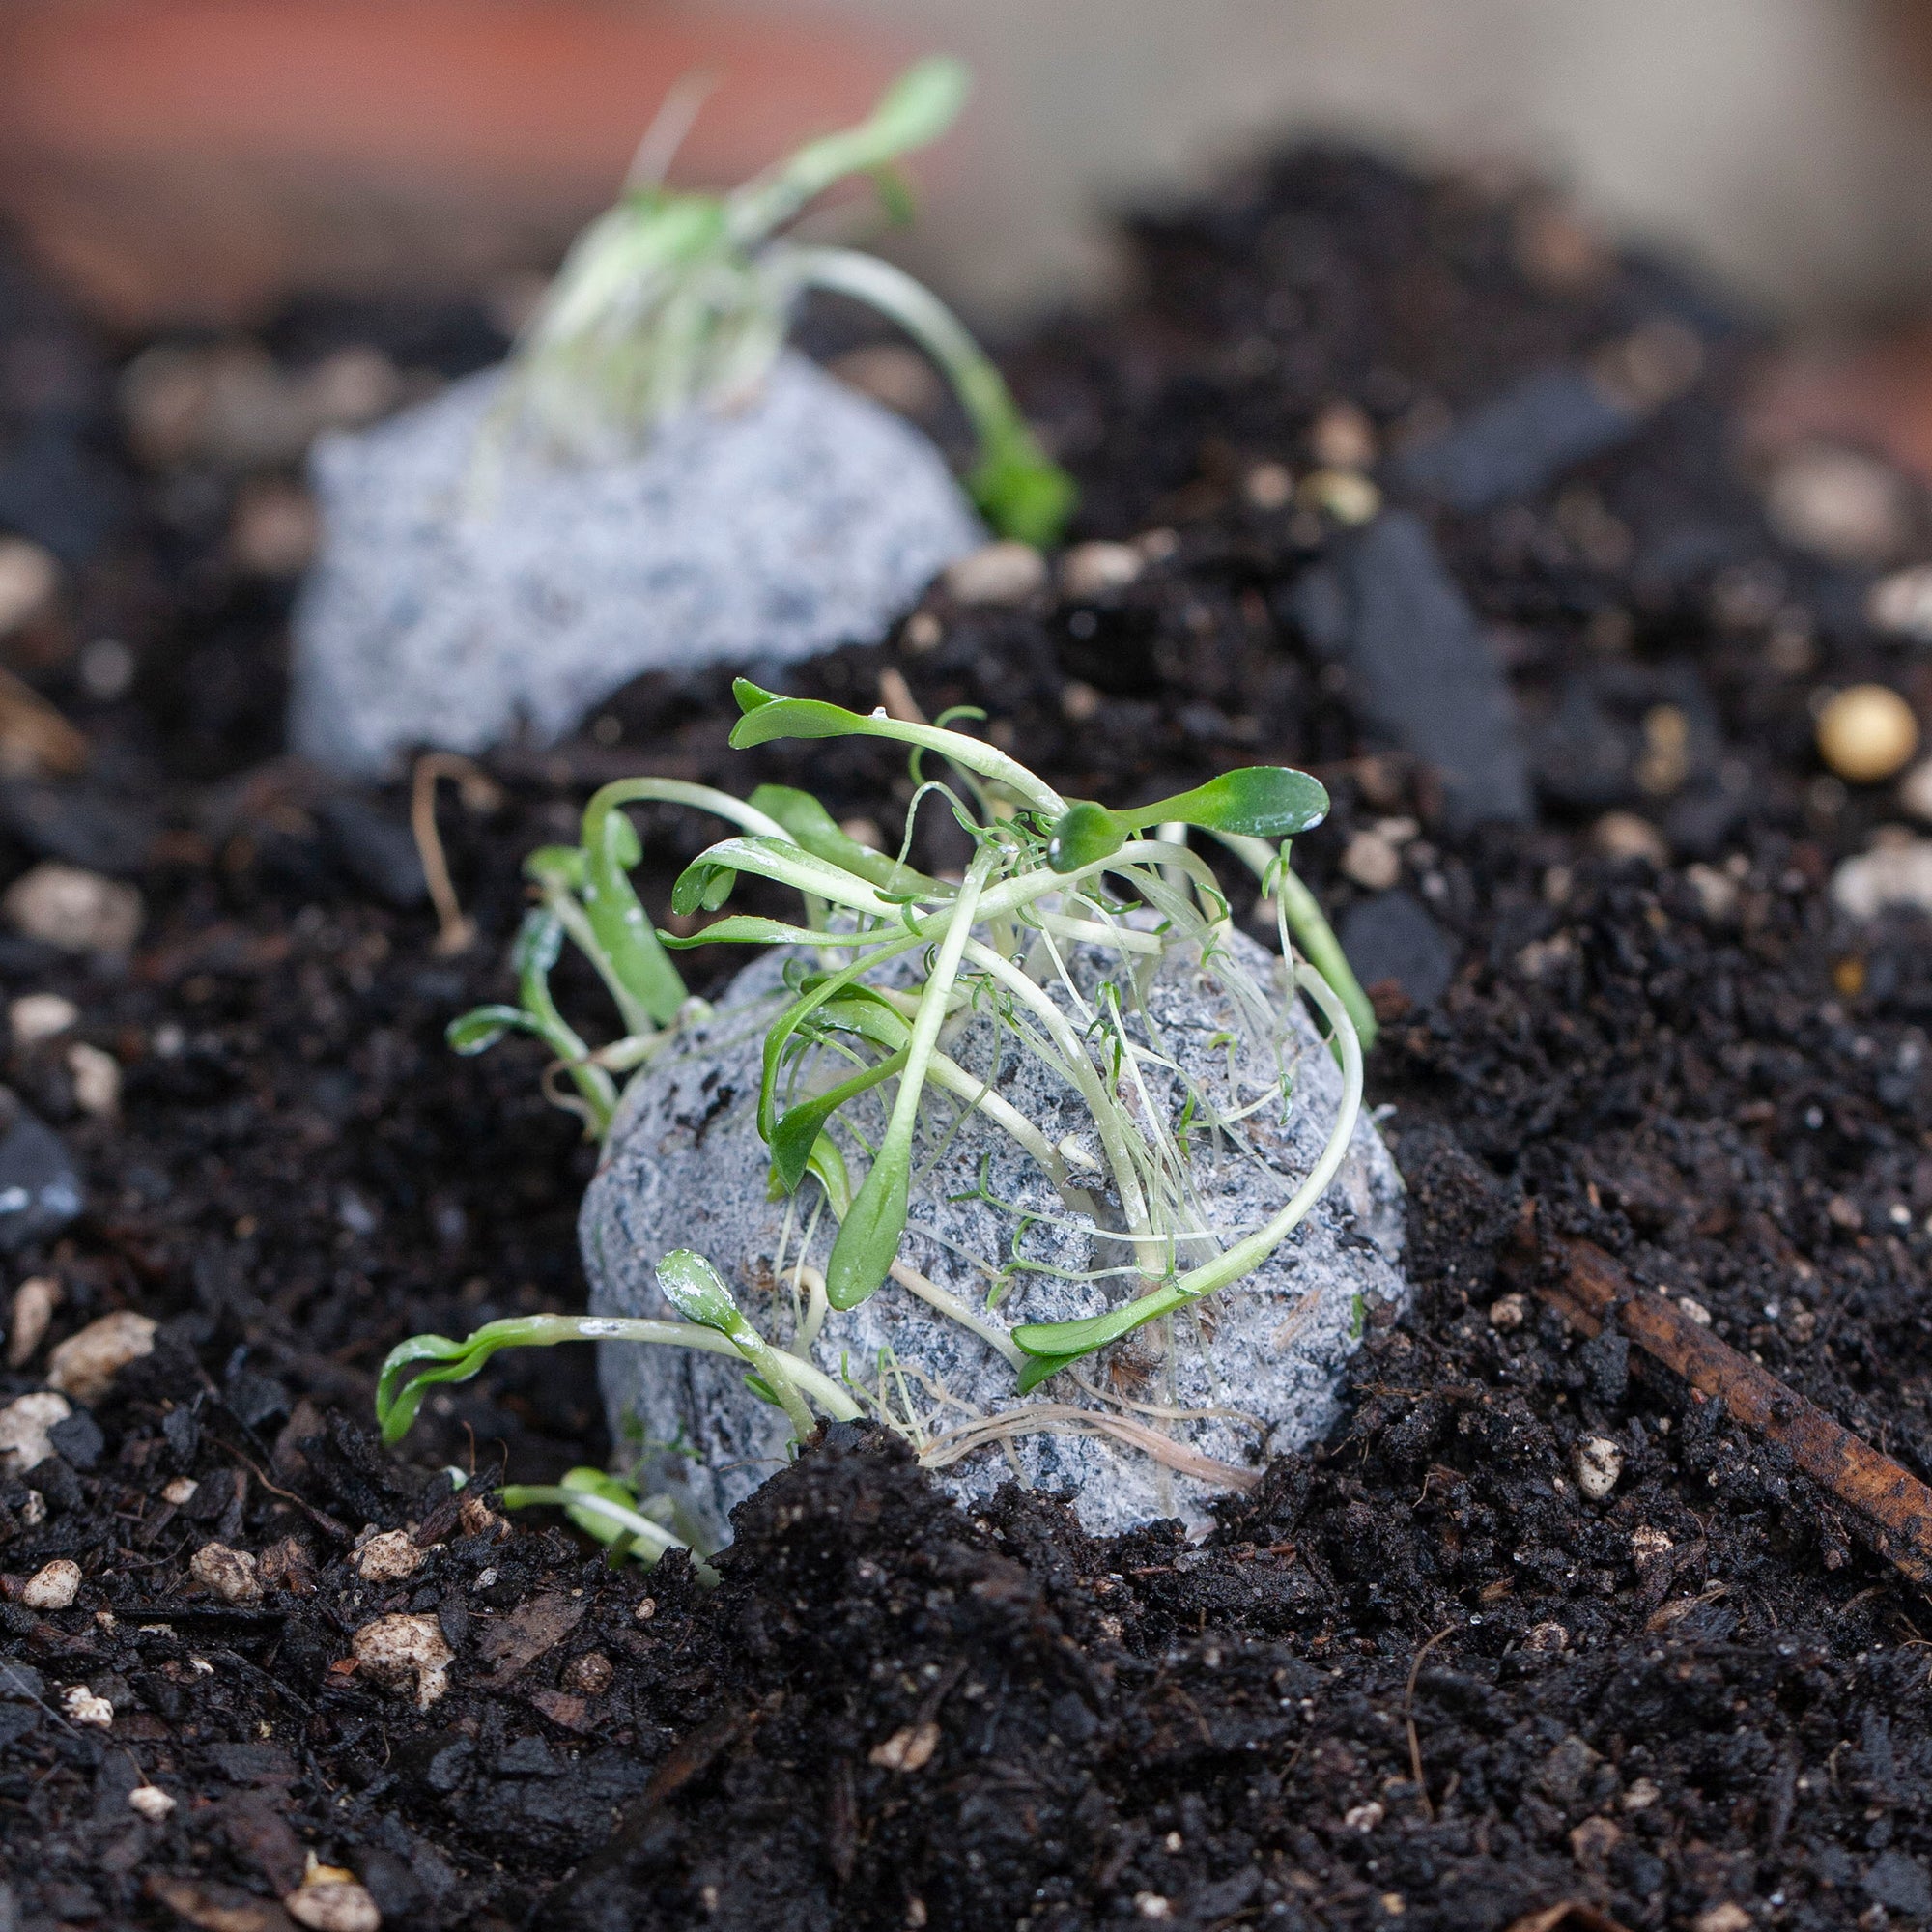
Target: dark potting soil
pixel 1415 1675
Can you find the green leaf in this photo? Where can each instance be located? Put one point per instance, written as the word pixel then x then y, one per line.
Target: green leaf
pixel 818 832
pixel 697 1291
pixel 1022 493
pixel 1082 833
pixel 749 929
pixel 798 1129
pixel 1062 1342
pixel 556 867
pixel 538 941
pixel 482 1027
pixel 1256 802
pixel 869 1237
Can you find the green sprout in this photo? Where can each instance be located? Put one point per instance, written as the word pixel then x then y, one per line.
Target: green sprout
pixel 671 299
pixel 1047 875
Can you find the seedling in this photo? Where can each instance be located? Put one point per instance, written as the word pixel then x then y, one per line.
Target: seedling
pixel 1049 880
pixel 670 300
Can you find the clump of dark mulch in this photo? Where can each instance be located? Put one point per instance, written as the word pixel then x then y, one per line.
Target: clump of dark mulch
pixel 1415 1674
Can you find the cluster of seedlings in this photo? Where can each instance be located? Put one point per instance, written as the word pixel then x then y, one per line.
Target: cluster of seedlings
pixel 671 299
pixel 1046 876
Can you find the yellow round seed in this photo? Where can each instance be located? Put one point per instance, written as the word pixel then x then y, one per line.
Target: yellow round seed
pixel 1867 733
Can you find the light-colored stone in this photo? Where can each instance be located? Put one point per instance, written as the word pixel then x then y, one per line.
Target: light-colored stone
pixel 1371 861
pixel 1838 503
pixel 152 1802
pixel 1716 891
pixel 29 577
pixel 53 1587
pixel 388 1557
pixel 37 1016
pixel 1508 1311
pixel 233 1574
pixel 1341 437
pixel 1896 871
pixel 1623 835
pixel 334 1905
pixel 1094 570
pixel 77 911
pixel 1545 1636
pixel 275 529
pixel 1641 1795
pixel 1341 494
pixel 908 1750
pixel 1915 791
pixel 1597 1463
pixel 997 573
pixel 181 1491
pixel 84 1365
pixel 406 1653
pixel 455 593
pixel 84 1707
pixel 1270 1349
pixel 1079 702
pixel 1727 1916
pixel 1269 486
pixel 97 1080
pixel 1867 733
pixel 1902 603
pixel 23 1429
pixel 34 1304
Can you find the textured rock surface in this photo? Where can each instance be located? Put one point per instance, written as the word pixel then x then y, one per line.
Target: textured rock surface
pixel 810 518
pixel 686 1168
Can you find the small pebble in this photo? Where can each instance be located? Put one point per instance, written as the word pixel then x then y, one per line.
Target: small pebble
pixel 333 1905
pixel 1342 495
pixel 54 1587
pixel 84 1365
pixel 181 1491
pixel 406 1653
pixel 29 577
pixel 1078 702
pixel 1666 760
pixel 1343 437
pixel 389 1557
pixel 1623 835
pixel 997 573
pixel 906 1750
pixel 1695 1309
pixel 591 1673
pixel 1898 870
pixel 1915 791
pixel 107 668
pixel 1508 1311
pixel 1269 486
pixel 1729 1917
pixel 275 528
pixel 231 1574
pixel 34 1304
pixel 1867 734
pixel 83 1707
pixel 922 633
pixel 1152 1905
pixel 1641 1795
pixel 1716 891
pixel 37 1016
pixel 1648 1544
pixel 1545 1636
pixel 97 1080
pixel 1902 603
pixel 23 1429
pixel 77 911
pixel 1838 503
pixel 1093 570
pixel 1371 861
pixel 151 1801
pixel 1363 1817
pixel 1597 1463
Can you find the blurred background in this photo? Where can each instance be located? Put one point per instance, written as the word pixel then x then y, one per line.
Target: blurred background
pixel 197 160
pixel 1788 143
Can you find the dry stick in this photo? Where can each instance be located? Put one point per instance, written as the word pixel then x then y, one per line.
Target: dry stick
pixel 1408 1719
pixel 455 929
pixel 1894 1508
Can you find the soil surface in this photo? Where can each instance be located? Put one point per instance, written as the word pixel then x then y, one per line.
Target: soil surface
pixel 1416 1675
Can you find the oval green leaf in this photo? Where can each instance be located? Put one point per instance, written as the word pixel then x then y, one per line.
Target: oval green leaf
pixel 1256 802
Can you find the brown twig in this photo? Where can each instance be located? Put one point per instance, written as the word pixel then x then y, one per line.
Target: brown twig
pixel 455 929
pixel 1408 1719
pixel 1891 1507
